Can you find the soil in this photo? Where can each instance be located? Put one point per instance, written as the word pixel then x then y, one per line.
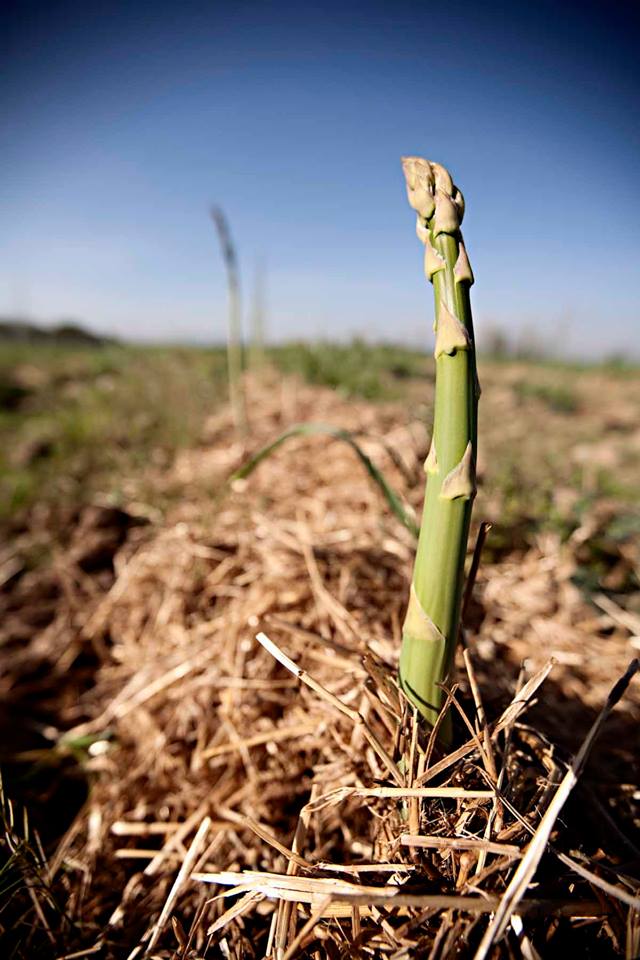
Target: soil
pixel 141 720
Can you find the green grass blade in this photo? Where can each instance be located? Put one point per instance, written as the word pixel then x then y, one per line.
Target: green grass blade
pixel 336 433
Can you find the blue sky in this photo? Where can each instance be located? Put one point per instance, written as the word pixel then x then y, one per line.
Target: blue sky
pixel 123 123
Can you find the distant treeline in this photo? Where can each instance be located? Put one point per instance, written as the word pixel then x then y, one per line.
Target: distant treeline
pixel 67 332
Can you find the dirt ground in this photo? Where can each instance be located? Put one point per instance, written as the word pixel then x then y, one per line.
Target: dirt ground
pixel 159 748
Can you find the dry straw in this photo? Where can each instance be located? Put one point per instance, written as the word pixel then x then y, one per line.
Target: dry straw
pixel 330 813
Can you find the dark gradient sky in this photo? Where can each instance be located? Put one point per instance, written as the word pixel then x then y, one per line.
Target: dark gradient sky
pixel 123 122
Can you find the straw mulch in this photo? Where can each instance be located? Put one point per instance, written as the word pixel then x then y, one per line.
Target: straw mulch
pixel 277 798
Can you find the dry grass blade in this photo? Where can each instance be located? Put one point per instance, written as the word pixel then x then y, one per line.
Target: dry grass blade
pixel 266 835
pixel 79 954
pixel 628 620
pixel 306 929
pixel 609 888
pixel 460 843
pixel 302 675
pixel 193 853
pixel 313 890
pixel 529 864
pixel 523 697
pixel 240 907
pixel 269 736
pixel 142 853
pixel 122 828
pixel 342 794
pixel 366 867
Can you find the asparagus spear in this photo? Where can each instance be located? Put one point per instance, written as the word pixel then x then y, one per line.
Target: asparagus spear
pixel 235 361
pixel 433 616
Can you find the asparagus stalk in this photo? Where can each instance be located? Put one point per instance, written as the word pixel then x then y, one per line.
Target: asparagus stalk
pixel 432 621
pixel 257 357
pixel 234 327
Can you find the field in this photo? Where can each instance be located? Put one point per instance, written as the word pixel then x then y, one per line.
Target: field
pixel 141 720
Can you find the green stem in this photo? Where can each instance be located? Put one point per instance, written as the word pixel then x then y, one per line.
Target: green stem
pixel 257 357
pixel 433 616
pixel 234 328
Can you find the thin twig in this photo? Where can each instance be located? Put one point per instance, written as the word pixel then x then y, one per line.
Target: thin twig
pixel 483 532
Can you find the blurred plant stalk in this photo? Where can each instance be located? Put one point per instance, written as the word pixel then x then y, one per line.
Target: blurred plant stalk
pixel 234 327
pixel 257 354
pixel 432 621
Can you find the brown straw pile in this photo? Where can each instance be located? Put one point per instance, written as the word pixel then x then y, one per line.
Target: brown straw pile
pixel 259 787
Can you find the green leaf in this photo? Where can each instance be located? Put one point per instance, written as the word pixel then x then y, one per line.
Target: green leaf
pixel 336 433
